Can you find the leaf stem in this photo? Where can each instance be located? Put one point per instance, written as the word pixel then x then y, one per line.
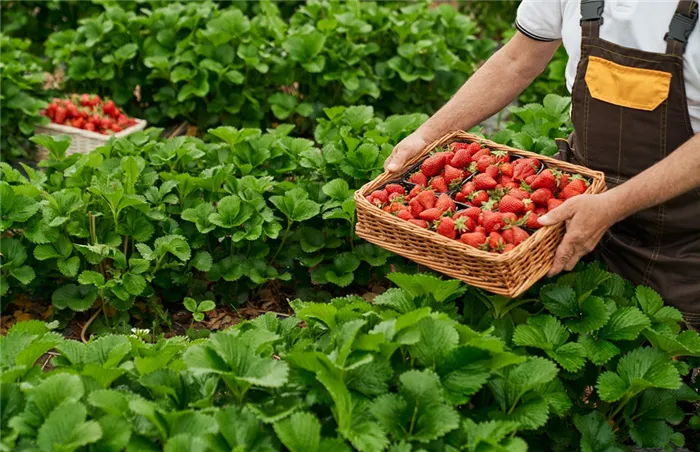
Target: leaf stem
pixel 284 239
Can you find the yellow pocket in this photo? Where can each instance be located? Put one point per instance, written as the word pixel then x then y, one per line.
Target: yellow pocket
pixel 643 89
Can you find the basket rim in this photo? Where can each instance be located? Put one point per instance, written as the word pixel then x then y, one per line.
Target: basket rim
pixel 69 130
pixel 505 258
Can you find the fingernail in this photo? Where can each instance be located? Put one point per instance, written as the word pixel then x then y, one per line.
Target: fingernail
pixel 392 167
pixel 543 220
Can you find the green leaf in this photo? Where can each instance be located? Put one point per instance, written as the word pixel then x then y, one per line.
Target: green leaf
pixel 14 208
pixel 24 274
pixel 56 145
pixel 198 86
pixel 625 324
pixel 638 370
pixel 69 267
pixel 496 436
pixel 206 306
pixel 202 261
pixel 134 284
pixel 200 217
pixel 77 298
pixel 296 205
pixel 300 432
pixel 190 304
pixel 599 351
pixel 89 277
pixel 548 334
pixel 596 433
pixel 337 189
pixel 66 428
pixel 232 212
pixel 593 315
pixel 173 244
pixel 560 300
pixel 304 47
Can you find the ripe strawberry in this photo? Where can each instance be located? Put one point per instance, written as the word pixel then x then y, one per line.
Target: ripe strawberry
pixel 445 203
pixel 563 180
pixel 474 213
pixel 461 159
pixel 427 199
pixel 511 204
pixel 433 165
pixel 545 179
pixel 530 179
pixel 106 123
pixel 71 110
pixel 419 179
pixel 492 170
pixel 60 115
pixel 460 197
pixel 507 248
pixel 415 191
pixel 431 214
pixel 78 123
pixel 96 120
pixel 395 188
pixel 480 153
pixel 115 128
pixel 509 218
pixel 415 207
pixel 475 239
pixel 447 228
pixel 468 188
pixel 448 157
pixel 522 168
pixel 539 211
pixel 532 222
pixel 474 148
pixel 529 205
pixel 458 145
pixel 496 241
pixel 541 196
pixel 462 222
pixel 480 228
pixel 501 156
pixel 515 235
pixel 507 169
pixel 504 180
pixel 420 223
pixel 484 182
pixel 90 126
pixel 511 185
pixel 380 195
pixel 479 198
pixel 519 193
pixel 576 186
pixel 109 108
pixel 483 163
pixel 395 197
pixel 554 203
pixel 404 215
pixel 492 221
pixel 394 208
pixel 85 100
pixel 453 174
pixel 439 184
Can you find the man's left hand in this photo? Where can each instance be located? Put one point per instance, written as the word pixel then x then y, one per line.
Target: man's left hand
pixel 587 218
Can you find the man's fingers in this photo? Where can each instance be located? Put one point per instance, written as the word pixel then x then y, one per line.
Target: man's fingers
pixel 564 254
pixel 558 215
pixel 395 161
pixel 573 261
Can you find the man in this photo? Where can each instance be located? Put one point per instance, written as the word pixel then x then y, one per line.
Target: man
pixel 634 75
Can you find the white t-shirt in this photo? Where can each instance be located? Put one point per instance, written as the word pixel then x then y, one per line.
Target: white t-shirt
pixel 631 23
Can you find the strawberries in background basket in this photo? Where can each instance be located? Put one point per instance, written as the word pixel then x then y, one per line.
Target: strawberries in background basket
pixel 88 112
pixel 489 200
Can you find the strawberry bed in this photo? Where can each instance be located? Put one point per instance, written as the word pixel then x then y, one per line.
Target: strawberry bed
pixel 469 208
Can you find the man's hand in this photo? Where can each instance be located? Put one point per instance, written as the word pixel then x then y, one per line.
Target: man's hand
pixel 404 151
pixel 587 218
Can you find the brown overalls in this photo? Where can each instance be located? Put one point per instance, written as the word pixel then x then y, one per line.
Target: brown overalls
pixel 629 111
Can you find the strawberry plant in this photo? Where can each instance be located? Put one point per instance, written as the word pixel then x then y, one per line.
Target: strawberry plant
pixel 21 95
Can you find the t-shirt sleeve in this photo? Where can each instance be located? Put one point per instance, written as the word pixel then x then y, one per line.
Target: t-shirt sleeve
pixel 540 19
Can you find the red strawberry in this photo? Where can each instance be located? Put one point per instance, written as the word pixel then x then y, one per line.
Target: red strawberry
pixel 475 239
pixel 90 126
pixel 445 203
pixel 419 179
pixel 529 205
pixel 395 188
pixel 515 235
pixel 530 179
pixel 420 223
pixel 539 211
pixel 505 180
pixel 461 159
pixel 395 196
pixel 447 228
pixel 109 108
pixel 492 170
pixel 433 165
pixel 431 214
pixel 453 174
pixel 415 191
pixel 462 222
pixel 415 207
pixel 71 110
pixel 85 100
pixel 510 218
pixel 554 203
pixel 545 179
pixel 492 221
pixel 484 182
pixel 380 195
pixel 507 169
pixel 404 215
pixel 439 184
pixel 508 247
pixel 460 197
pixel 394 208
pixel 563 180
pixel 532 222
pixel 501 156
pixel 474 213
pixel 512 185
pixel 480 153
pixel 474 148
pixel 483 163
pixel 60 115
pixel 495 241
pixel 523 168
pixel 541 196
pixel 96 120
pixel 480 228
pixel 479 198
pixel 78 123
pixel 511 204
pixel 458 145
pixel 427 199
pixel 575 187
pixel 519 193
pixel 468 188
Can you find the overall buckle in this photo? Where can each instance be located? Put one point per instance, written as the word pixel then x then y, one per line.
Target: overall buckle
pixel 681 26
pixel 592 10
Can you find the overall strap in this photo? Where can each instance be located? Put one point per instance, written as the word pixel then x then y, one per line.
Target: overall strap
pixel 681 26
pixel 591 17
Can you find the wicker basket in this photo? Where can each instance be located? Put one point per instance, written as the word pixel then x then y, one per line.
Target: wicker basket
pixel 508 274
pixel 82 141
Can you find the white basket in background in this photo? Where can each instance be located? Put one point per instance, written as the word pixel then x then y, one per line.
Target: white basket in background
pixel 82 141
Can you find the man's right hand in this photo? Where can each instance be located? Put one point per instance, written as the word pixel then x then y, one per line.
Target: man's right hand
pixel 408 148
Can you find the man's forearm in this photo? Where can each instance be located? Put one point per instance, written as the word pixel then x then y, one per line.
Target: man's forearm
pixel 503 77
pixel 673 176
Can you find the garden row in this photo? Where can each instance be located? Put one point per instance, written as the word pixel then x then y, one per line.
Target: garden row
pixel 591 364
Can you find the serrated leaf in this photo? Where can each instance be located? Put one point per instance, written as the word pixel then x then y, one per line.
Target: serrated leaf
pixel 202 261
pixel 89 277
pixel 296 205
pixel 625 324
pixel 77 298
pixel 66 428
pixel 596 433
pixel 300 432
pixel 593 316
